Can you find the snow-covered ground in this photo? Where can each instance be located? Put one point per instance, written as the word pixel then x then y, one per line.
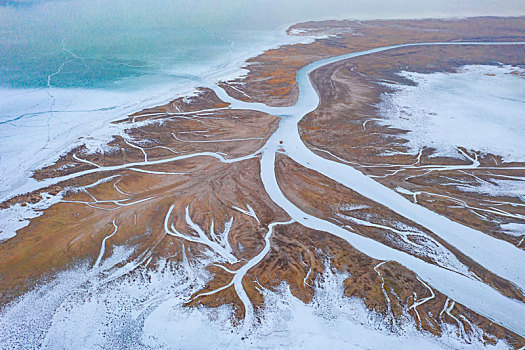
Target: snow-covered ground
pixel 38 125
pixel 498 187
pixel 480 108
pixel 146 310
pixel 131 311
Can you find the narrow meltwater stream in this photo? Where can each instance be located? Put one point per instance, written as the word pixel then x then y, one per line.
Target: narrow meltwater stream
pixel 241 272
pixel 496 255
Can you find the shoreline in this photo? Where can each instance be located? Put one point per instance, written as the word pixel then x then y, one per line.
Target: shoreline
pixel 134 101
pixel 208 191
pixel 102 135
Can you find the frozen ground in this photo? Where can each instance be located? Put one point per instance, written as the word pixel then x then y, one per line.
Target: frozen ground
pixel 479 108
pixel 498 187
pixel 38 125
pixel 112 308
pixel 145 311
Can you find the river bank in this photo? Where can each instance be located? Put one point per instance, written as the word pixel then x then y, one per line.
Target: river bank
pixel 207 182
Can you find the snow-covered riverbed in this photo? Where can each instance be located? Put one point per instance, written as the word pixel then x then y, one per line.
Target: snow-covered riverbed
pixel 495 255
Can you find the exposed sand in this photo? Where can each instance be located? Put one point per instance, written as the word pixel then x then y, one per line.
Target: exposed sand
pixel 184 185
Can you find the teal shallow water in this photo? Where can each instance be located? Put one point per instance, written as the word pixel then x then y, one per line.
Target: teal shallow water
pixel 64 320
pixel 70 67
pixel 98 42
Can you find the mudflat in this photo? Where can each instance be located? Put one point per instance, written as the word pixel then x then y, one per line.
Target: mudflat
pixel 190 182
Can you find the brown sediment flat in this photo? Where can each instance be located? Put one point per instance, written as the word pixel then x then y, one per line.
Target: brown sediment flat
pixel 73 228
pixel 325 198
pixel 137 198
pixel 295 252
pixel 271 77
pixel 350 132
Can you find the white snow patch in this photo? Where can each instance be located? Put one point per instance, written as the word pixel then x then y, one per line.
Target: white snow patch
pixel 514 229
pixel 37 126
pixel 145 310
pixel 17 216
pixel 352 207
pixel 332 320
pixel 479 108
pixel 511 188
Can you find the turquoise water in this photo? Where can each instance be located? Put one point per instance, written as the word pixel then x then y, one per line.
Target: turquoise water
pixel 68 68
pixel 103 41
pixel 93 51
